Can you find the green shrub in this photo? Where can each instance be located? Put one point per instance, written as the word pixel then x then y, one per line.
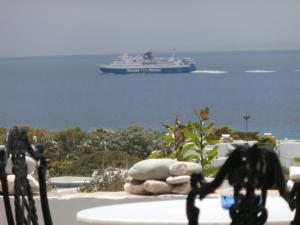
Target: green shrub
pixel 241 135
pixel 217 132
pixel 57 168
pixel 110 179
pixel 86 164
pixel 3 132
pixel 267 141
pixel 135 140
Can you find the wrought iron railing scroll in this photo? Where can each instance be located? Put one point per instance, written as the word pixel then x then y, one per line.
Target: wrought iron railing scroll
pixel 17 146
pixel 252 171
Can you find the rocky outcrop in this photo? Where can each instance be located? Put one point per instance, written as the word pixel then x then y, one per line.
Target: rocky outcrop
pixel 160 176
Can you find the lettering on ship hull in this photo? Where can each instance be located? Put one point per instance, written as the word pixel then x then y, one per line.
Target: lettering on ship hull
pixel 143 70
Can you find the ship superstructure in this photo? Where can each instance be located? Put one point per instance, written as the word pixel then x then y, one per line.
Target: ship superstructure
pixel 126 64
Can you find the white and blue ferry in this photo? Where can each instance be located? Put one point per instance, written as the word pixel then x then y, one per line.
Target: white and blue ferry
pixel 125 64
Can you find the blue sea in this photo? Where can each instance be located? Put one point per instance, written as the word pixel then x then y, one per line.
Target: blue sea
pixel 66 91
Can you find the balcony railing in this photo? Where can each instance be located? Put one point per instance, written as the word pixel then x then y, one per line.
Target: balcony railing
pixel 251 171
pixel 16 147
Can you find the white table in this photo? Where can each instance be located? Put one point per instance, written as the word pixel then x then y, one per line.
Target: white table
pixel 172 212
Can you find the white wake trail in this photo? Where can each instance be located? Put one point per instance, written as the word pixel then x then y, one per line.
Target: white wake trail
pixel 260 71
pixel 210 71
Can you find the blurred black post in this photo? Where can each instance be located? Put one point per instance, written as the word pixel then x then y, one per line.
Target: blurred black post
pixel 246 118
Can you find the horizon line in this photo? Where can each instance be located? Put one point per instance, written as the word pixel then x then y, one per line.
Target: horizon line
pixel 160 52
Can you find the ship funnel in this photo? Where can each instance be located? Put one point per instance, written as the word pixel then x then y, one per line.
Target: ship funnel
pixel 148 55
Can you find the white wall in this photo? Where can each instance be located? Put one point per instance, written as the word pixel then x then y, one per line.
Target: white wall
pixel 64 208
pixel 288 150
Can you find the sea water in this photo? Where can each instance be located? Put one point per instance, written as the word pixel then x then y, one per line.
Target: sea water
pixel 60 92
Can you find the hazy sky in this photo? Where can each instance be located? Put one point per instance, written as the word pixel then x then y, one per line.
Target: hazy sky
pixel 66 27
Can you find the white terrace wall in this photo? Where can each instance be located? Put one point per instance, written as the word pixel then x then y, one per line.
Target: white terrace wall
pixel 287 150
pixel 65 207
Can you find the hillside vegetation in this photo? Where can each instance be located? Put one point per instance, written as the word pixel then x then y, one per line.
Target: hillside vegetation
pixel 76 152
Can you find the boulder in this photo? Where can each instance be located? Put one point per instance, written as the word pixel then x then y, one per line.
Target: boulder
pixel 184 168
pixel 133 181
pixel 183 189
pixel 31 164
pixel 151 169
pixel 192 168
pixel 178 169
pixel 128 179
pixel 294 173
pixel 11 182
pixel 178 179
pixel 157 187
pixel 290 185
pixel 35 187
pixel 136 189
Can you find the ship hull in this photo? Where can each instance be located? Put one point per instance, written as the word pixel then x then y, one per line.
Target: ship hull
pixel 185 69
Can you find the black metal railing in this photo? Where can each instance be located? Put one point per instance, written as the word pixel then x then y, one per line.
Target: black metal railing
pixel 16 147
pixel 248 170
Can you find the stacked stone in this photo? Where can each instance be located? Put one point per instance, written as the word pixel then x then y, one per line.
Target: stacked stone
pixel 160 176
pixel 11 177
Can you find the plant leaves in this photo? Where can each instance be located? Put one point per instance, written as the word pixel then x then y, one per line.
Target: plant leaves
pixel 190 135
pixel 192 158
pixel 156 154
pixel 167 138
pixel 172 155
pixel 187 147
pixel 209 129
pixel 167 127
pixel 212 154
pixel 212 142
pixel 297 160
